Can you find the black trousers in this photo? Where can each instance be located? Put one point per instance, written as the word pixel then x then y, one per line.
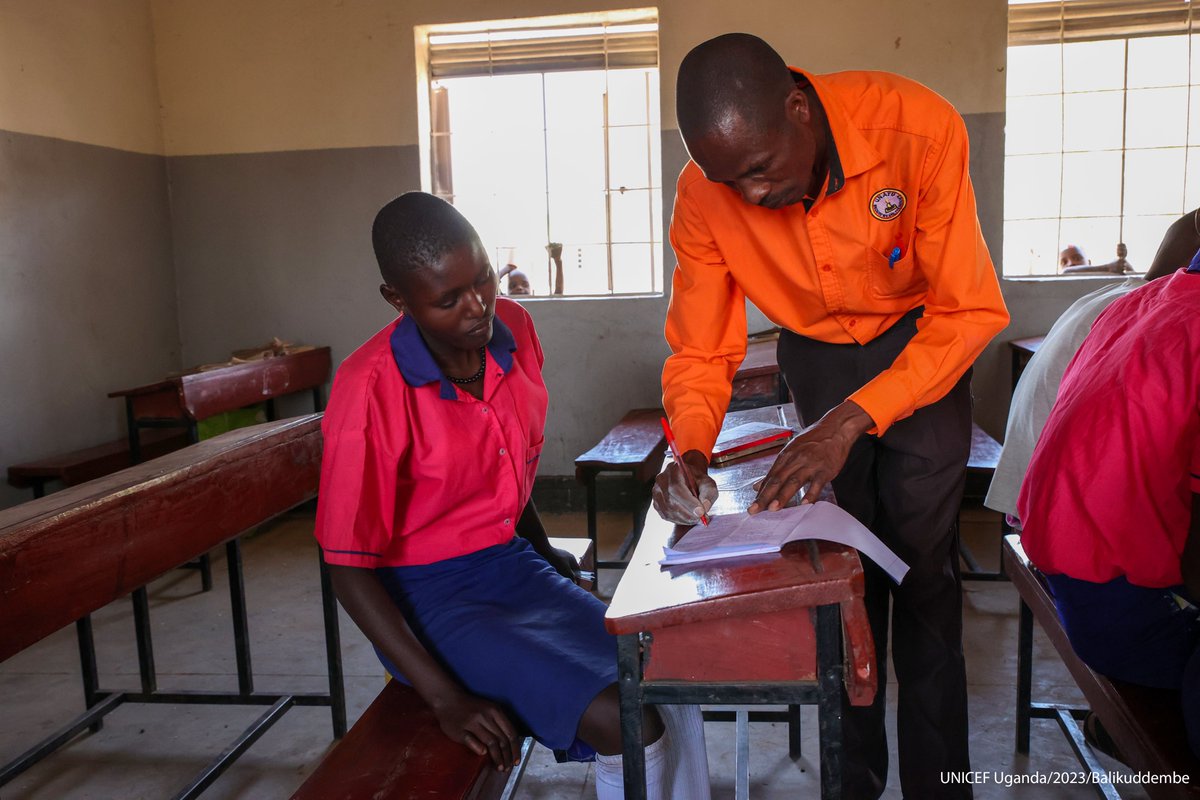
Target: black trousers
pixel 906 486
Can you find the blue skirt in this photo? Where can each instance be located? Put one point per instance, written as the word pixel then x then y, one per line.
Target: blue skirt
pixel 513 631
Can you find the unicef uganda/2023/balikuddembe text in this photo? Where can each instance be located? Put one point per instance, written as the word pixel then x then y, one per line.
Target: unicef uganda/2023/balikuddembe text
pixel 1082 777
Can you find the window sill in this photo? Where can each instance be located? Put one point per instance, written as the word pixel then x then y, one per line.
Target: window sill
pixel 1095 277
pixel 567 297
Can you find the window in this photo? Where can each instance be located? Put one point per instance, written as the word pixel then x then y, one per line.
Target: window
pixel 547 130
pixel 1102 135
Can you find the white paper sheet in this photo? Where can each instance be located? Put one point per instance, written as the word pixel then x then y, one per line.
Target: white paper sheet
pixel 732 535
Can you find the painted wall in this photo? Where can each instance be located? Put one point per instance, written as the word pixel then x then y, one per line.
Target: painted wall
pixel 87 293
pixel 285 124
pixel 285 131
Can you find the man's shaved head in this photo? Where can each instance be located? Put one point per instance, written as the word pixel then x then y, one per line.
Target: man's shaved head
pixel 733 78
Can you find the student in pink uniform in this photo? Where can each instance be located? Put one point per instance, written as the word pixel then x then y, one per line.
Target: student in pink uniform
pixel 1111 501
pixel 432 438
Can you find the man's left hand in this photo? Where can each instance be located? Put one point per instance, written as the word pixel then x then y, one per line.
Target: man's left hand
pixel 814 458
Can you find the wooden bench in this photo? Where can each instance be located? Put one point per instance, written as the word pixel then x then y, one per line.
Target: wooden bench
pixel 635 445
pixel 396 750
pixel 70 553
pixel 1145 724
pixel 80 466
pixel 981 466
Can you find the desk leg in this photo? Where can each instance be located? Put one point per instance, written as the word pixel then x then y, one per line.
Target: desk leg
pixel 333 652
pixel 589 482
pixel 629 676
pixel 1024 677
pixel 135 435
pixel 318 395
pixel 741 756
pixel 145 643
pixel 828 626
pixel 87 666
pixel 237 605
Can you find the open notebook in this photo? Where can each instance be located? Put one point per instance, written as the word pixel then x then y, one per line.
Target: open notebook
pixel 732 535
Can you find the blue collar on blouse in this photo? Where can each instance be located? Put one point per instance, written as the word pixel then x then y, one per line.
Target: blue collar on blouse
pixel 1195 265
pixel 416 362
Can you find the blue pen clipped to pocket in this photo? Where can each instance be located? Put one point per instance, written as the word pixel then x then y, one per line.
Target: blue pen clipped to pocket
pixel 893 257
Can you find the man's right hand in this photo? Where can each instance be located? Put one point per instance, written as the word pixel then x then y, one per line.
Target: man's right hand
pixel 674 501
pixel 481 726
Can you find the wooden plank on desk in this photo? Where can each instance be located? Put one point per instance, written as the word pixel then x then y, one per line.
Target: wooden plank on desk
pixel 200 395
pixel 107 537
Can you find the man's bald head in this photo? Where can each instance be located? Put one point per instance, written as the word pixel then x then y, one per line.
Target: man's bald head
pixel 734 78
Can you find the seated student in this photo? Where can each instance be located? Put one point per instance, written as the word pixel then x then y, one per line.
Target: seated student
pixel 1110 504
pixel 1035 392
pixel 432 439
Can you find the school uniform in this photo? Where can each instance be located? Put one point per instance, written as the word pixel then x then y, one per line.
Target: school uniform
pixel 886 294
pixel 1107 501
pixel 424 484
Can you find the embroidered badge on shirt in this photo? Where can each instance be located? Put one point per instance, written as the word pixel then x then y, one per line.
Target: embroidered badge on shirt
pixel 886 204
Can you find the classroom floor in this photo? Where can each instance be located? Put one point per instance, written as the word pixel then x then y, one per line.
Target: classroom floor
pixel 151 751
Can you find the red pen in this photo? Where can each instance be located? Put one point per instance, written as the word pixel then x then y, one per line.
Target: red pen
pixel 687 473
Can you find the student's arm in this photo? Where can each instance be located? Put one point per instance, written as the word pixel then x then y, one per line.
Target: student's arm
pixel 469 720
pixel 530 528
pixel 1190 562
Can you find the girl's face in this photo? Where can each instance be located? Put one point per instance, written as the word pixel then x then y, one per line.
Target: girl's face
pixel 453 302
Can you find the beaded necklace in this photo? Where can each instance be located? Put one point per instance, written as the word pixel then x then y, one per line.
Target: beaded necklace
pixel 478 373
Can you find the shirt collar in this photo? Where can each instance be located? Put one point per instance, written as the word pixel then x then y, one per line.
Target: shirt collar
pixel 1195 265
pixel 416 363
pixel 849 152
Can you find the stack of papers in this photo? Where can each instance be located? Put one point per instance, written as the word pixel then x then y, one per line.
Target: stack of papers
pixel 733 535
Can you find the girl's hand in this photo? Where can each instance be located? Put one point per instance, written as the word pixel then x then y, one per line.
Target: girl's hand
pixel 481 726
pixel 565 564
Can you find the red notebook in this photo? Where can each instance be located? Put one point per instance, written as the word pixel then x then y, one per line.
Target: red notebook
pixel 744 440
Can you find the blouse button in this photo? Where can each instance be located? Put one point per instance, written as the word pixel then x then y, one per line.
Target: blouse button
pixel 502 451
pixel 826 268
pixel 508 522
pixel 483 410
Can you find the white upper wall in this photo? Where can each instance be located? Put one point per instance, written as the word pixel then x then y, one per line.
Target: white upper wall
pixel 275 75
pixel 80 70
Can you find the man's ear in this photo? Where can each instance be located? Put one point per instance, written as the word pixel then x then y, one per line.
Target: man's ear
pixel 797 106
pixel 392 297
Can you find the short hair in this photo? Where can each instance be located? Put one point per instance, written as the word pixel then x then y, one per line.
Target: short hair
pixel 414 232
pixel 734 76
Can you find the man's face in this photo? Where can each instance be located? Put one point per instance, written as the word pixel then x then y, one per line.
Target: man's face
pixel 768 165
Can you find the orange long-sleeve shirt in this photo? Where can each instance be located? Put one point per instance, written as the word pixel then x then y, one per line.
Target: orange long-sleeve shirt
pixel 825 273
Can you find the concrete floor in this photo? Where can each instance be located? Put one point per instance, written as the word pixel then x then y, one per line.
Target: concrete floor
pixel 150 751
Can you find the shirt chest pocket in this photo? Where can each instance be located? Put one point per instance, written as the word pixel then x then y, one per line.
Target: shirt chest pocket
pixel 533 456
pixel 889 278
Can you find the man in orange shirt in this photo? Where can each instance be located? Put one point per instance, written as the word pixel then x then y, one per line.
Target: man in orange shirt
pixel 841 206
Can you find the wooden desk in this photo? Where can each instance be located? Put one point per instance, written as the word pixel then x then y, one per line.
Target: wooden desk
pixel 1022 351
pixel 684 634
pixel 182 401
pixel 758 381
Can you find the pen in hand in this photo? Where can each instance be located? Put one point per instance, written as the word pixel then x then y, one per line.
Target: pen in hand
pixel 687 473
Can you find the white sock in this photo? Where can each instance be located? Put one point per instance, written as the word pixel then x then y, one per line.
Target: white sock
pixel 676 765
pixel 687 758
pixel 610 773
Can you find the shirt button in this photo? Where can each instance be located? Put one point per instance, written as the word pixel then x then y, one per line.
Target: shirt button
pixel 816 212
pixel 852 323
pixel 508 522
pixel 483 410
pixel 502 451
pixel 826 268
